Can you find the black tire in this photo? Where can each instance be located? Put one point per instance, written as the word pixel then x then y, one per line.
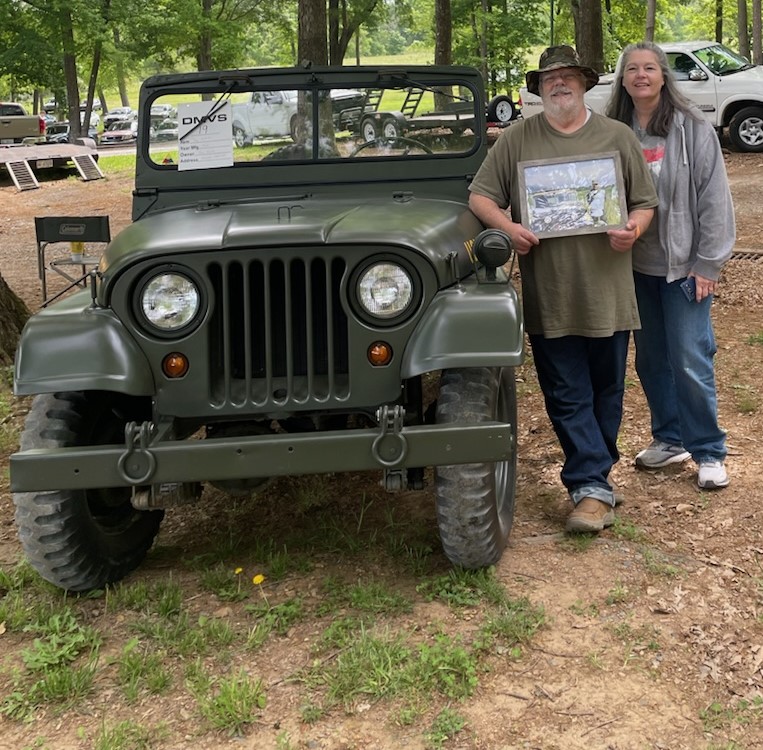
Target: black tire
pixel 746 130
pixel 501 109
pixel 475 502
pixel 82 539
pixel 239 137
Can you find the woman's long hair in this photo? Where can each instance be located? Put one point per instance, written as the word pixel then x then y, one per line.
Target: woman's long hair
pixel 620 105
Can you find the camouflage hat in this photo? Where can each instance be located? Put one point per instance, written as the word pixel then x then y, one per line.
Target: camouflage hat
pixel 562 56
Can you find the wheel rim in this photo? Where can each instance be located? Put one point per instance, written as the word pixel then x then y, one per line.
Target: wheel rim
pixel 369 131
pixel 238 136
pixel 390 130
pixel 503 112
pixel 751 131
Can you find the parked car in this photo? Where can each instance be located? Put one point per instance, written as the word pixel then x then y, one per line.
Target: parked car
pixel 167 130
pixel 58 132
pixel 161 112
pixel 120 132
pixel 119 114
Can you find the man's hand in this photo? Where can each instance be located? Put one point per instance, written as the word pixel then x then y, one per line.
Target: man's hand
pixel 622 240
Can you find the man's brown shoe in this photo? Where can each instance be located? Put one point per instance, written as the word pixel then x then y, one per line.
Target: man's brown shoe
pixel 590 514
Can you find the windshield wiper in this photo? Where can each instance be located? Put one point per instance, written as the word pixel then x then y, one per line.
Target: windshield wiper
pixel 217 105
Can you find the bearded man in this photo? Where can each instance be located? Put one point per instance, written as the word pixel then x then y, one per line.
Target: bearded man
pixel 577 290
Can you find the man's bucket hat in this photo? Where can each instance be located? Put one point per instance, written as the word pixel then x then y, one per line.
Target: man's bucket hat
pixel 561 56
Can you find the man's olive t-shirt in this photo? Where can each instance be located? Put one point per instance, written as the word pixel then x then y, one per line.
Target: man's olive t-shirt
pixel 576 285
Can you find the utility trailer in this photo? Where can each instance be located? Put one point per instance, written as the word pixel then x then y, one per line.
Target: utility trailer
pixel 374 123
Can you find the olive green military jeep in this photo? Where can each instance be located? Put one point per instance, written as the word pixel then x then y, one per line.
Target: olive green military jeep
pixel 272 310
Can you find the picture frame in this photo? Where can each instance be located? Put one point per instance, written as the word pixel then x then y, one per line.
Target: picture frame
pixel 563 197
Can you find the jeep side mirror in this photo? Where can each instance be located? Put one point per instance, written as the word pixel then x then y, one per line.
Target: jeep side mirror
pixel 492 247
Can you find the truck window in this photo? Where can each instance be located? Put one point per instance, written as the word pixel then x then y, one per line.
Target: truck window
pixel 681 65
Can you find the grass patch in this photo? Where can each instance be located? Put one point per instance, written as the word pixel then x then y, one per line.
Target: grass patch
pixel 717 716
pixel 446 725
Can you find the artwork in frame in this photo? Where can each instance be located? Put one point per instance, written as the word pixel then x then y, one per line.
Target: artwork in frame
pixel 562 197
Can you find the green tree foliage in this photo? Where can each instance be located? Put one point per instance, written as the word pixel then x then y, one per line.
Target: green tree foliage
pixel 497 37
pixel 29 50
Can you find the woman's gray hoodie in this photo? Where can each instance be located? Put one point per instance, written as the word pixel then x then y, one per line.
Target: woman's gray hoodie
pixel 695 215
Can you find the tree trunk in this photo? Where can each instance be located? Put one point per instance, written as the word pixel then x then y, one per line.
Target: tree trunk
pixel 744 39
pixel 333 24
pixel 651 13
pixel 313 50
pixel 124 99
pixel 719 21
pixel 312 46
pixel 443 33
pixel 757 46
pixel 13 314
pixel 588 34
pixel 204 54
pixel 70 70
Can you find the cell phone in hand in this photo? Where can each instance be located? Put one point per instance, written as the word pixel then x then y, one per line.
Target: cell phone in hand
pixel 689 288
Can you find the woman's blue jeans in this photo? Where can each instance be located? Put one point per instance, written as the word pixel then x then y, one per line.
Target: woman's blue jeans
pixel 583 380
pixel 674 361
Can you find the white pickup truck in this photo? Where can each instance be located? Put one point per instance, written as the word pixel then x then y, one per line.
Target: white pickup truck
pixel 270 114
pixel 726 87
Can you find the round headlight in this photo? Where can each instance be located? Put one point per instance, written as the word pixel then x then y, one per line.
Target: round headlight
pixel 170 301
pixel 385 290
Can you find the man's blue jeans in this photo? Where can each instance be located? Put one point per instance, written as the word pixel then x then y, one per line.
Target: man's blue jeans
pixel 674 360
pixel 583 380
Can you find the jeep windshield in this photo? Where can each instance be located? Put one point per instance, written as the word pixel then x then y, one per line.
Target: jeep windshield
pixel 242 124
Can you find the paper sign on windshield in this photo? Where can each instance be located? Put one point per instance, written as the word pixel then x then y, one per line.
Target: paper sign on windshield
pixel 205 135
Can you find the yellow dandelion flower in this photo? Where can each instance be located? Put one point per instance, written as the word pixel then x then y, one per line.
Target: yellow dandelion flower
pixel 238 571
pixel 258 579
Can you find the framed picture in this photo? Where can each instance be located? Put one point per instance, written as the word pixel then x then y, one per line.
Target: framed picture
pixel 562 197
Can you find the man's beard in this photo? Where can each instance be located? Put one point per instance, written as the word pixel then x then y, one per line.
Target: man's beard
pixel 564 108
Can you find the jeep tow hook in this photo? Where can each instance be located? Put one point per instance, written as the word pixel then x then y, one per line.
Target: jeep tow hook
pixel 391 446
pixel 137 464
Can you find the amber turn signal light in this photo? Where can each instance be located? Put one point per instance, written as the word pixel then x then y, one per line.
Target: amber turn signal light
pixel 379 354
pixel 175 365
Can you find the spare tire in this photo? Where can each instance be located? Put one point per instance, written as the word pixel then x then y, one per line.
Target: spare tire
pixel 501 109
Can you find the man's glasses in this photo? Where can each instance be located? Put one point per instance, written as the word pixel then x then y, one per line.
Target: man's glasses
pixel 567 76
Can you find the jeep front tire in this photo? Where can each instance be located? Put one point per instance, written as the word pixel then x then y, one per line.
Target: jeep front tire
pixel 475 502
pixel 80 540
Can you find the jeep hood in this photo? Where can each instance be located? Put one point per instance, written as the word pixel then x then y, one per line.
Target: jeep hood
pixel 432 227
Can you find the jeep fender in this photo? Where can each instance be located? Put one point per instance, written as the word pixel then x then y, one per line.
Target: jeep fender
pixel 73 346
pixel 469 325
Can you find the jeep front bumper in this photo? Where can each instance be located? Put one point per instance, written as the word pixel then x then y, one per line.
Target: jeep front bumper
pixel 139 462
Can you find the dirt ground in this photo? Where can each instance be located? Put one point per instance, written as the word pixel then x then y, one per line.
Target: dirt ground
pixel 652 635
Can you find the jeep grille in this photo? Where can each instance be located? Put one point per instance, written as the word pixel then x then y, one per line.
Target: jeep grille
pixel 278 333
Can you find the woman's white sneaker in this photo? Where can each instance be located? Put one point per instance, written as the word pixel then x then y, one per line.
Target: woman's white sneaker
pixel 660 454
pixel 712 475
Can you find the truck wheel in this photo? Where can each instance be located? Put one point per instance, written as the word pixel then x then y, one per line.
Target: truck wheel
pixel 239 137
pixel 501 109
pixel 475 502
pixel 746 129
pixel 82 539
pixel 391 128
pixel 368 130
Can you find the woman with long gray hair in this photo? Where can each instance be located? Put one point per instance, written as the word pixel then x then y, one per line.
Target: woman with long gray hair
pixel 677 263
